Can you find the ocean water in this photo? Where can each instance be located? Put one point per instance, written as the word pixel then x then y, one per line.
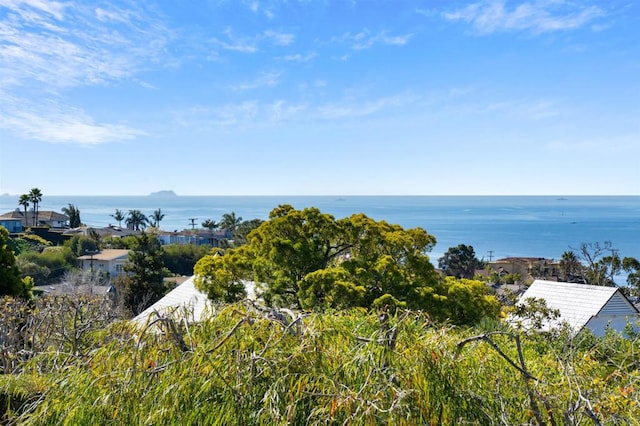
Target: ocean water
pixel 496 226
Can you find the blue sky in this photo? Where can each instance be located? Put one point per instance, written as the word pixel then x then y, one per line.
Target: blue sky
pixel 288 97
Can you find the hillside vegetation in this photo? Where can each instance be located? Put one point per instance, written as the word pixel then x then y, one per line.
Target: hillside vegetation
pixel 251 366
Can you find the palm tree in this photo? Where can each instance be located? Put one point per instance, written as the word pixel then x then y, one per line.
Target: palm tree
pixel 211 225
pixel 156 218
pixel 119 216
pixel 136 220
pixel 74 215
pixel 570 266
pixel 24 202
pixel 35 196
pixel 230 222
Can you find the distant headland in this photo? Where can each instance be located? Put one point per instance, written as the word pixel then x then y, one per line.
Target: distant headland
pixel 164 193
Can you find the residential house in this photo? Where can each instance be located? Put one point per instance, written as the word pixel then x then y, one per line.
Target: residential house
pixel 196 237
pixel 46 218
pixel 13 225
pixel 106 232
pixel 109 261
pixel 596 308
pixel 526 267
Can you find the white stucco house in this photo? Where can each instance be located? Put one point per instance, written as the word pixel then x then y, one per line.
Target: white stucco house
pixel 109 261
pixel 583 306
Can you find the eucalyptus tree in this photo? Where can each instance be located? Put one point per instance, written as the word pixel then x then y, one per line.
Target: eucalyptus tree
pixel 136 220
pixel 119 216
pixel 35 196
pixel 631 265
pixel 25 201
pixel 602 263
pixel 156 218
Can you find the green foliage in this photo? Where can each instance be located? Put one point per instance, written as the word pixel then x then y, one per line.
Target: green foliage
pixel 74 215
pixel 11 282
pixel 81 245
pixel 306 258
pixel 143 284
pixel 534 314
pixel 631 265
pixel 48 266
pixel 119 216
pixel 460 262
pixel 469 301
pixel 241 234
pixel 347 367
pixel 119 242
pixel 221 276
pixel 602 263
pixel 136 220
pixel 36 241
pixel 180 259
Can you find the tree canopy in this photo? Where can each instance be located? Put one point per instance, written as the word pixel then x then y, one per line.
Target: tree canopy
pixel 459 261
pixel 144 282
pixel 11 284
pixel 308 259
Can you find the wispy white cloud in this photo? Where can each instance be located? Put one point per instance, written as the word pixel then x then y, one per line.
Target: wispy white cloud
pixel 251 44
pixel 55 123
pixel 47 47
pixel 279 38
pixel 297 57
pixel 538 16
pixel 255 113
pixel 353 109
pixel 64 45
pixel 236 43
pixel 365 39
pixel 269 79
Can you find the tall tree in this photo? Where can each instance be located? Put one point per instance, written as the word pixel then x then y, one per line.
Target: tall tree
pixel 156 218
pixel 211 225
pixel 74 215
pixel 242 231
pixel 631 265
pixel 230 222
pixel 460 262
pixel 25 201
pixel 136 220
pixel 571 269
pixel 602 263
pixel 143 283
pixel 11 283
pixel 35 196
pixel 309 259
pixel 119 216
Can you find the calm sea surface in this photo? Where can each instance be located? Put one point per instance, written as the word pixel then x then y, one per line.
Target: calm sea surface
pixel 495 226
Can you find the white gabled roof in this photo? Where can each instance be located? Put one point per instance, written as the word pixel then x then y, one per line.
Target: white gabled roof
pixel 184 302
pixel 579 303
pixel 185 297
